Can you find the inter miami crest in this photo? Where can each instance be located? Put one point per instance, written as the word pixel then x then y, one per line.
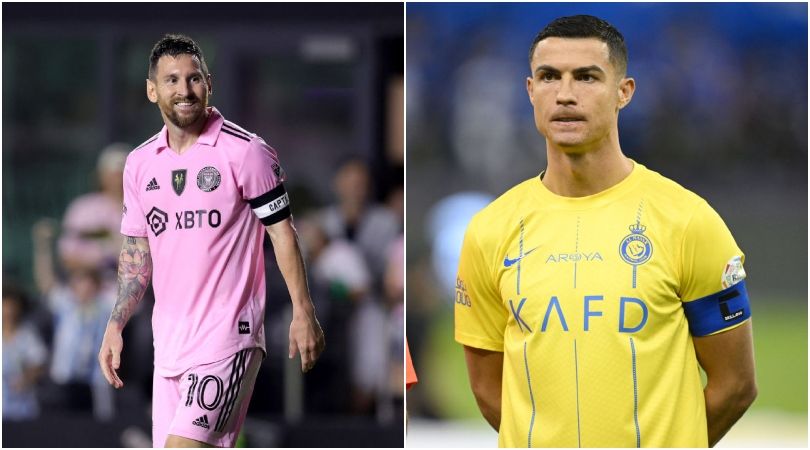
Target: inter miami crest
pixel 178 180
pixel 208 179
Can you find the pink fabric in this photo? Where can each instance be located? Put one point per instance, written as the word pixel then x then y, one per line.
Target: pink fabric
pixel 193 404
pixel 206 242
pixel 94 214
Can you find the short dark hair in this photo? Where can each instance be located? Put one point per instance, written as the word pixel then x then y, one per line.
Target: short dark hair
pixel 173 45
pixel 584 26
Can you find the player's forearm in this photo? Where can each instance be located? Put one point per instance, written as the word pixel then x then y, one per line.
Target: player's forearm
pixel 490 406
pixel 134 273
pixel 726 402
pixel 291 264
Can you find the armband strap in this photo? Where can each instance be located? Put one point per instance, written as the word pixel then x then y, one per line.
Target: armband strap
pixel 273 206
pixel 718 311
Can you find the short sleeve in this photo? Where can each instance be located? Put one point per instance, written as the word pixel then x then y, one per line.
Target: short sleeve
pixel 133 219
pixel 479 312
pixel 261 181
pixel 711 260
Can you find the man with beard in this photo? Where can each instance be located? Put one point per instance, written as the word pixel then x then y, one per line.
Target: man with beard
pixel 200 240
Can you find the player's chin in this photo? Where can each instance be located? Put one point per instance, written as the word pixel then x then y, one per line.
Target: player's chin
pixel 568 142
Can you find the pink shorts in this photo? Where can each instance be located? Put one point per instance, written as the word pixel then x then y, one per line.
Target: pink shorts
pixel 207 403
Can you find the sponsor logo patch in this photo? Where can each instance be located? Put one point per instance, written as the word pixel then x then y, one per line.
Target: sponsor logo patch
pixel 208 179
pixel 157 220
pixel 202 421
pixel 510 262
pixel 461 294
pixel 244 327
pixel 153 185
pixel 197 219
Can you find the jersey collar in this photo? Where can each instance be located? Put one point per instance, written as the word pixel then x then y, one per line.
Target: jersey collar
pixel 208 137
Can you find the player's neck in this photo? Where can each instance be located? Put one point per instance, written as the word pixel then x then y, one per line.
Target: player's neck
pixel 181 139
pixel 588 173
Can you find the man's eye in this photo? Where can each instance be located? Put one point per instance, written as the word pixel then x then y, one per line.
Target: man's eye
pixel 587 77
pixel 548 77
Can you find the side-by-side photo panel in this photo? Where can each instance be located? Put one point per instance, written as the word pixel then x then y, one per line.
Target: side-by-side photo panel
pixel 607 225
pixel 203 225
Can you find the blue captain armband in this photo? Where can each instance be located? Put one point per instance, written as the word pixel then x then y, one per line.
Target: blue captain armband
pixel 718 311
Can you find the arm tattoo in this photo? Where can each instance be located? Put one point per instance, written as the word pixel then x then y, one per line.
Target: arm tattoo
pixel 134 272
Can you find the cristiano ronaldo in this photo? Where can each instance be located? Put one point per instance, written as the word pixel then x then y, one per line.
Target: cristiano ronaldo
pixel 587 297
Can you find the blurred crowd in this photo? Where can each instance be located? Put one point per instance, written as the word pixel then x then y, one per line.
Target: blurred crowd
pixel 354 252
pixel 51 338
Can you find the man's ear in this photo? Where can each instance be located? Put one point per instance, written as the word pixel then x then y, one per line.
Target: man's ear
pixel 151 91
pixel 626 89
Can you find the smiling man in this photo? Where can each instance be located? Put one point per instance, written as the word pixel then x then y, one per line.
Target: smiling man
pixel 593 291
pixel 198 197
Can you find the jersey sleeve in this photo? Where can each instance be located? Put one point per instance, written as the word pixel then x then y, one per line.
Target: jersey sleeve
pixel 479 313
pixel 261 181
pixel 712 274
pixel 133 218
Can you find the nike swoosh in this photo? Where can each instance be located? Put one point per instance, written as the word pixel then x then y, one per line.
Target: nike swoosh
pixel 510 262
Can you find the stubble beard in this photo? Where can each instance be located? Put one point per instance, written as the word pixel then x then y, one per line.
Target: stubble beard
pixel 189 120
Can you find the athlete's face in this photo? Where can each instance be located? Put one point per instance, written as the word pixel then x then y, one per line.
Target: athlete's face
pixel 180 90
pixel 576 92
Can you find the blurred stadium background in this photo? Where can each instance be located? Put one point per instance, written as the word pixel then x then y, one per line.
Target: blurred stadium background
pixel 720 107
pixel 323 84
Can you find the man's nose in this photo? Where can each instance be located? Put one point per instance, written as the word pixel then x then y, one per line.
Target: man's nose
pixel 183 88
pixel 565 94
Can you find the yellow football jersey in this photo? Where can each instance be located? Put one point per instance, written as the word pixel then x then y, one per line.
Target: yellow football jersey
pixel 585 298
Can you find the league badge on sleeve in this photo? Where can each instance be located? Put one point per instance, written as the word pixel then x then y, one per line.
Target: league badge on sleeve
pixel 279 172
pixel 733 273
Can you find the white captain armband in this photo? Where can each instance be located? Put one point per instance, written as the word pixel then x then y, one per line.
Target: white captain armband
pixel 718 311
pixel 272 207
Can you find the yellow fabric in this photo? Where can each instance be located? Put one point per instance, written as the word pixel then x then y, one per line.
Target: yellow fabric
pixel 549 281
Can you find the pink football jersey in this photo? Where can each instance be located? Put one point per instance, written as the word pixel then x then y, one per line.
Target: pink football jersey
pixel 203 212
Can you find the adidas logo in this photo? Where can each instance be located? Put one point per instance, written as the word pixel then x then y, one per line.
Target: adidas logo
pixel 202 421
pixel 152 185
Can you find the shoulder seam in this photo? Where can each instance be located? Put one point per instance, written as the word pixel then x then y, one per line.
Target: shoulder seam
pixel 236 128
pixel 236 135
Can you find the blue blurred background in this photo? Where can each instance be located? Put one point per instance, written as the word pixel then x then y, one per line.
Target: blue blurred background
pixel 324 85
pixel 720 107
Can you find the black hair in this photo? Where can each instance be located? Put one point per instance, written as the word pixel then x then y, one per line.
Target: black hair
pixel 173 45
pixel 14 292
pixel 584 26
